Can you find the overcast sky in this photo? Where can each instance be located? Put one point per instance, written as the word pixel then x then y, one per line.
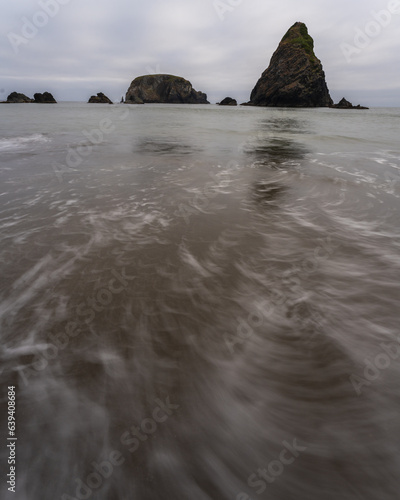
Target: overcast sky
pixel 222 46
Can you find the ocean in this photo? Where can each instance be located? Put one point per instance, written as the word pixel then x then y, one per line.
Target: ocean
pixel 199 302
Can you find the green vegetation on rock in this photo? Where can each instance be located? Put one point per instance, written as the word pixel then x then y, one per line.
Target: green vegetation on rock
pixel 294 77
pixel 170 78
pixel 298 35
pixel 162 88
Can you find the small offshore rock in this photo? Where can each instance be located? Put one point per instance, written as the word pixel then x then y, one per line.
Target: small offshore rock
pixel 228 101
pixel 100 98
pixel 16 97
pixel 45 98
pixel 345 104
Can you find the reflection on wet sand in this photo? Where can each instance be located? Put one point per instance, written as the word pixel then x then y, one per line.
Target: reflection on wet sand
pixel 163 146
pixel 267 192
pixel 273 145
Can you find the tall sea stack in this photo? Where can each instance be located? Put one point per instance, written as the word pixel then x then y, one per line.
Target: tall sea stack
pixel 295 77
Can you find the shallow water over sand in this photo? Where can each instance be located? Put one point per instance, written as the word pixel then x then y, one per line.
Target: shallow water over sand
pixel 201 303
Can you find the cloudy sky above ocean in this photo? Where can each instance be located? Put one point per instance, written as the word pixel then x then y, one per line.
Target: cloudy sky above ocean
pixel 75 48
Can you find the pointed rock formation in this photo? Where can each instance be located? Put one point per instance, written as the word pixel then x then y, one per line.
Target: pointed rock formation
pixel 167 89
pixel 345 104
pixel 295 77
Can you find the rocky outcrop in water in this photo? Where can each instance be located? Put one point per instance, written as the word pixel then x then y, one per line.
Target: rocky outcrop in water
pixel 16 97
pixel 344 104
pixel 228 101
pixel 166 89
pixel 45 98
pixel 100 98
pixel 295 77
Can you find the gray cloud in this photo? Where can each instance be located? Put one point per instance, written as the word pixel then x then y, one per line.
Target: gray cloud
pixel 221 46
